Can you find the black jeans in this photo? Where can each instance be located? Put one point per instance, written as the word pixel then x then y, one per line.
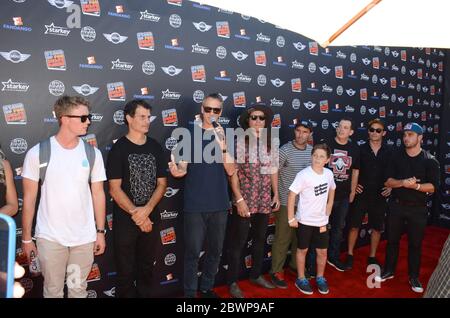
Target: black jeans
pixel 238 235
pixel 416 221
pixel 197 225
pixel 337 221
pixel 134 253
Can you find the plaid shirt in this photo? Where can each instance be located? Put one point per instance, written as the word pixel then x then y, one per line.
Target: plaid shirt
pixel 439 284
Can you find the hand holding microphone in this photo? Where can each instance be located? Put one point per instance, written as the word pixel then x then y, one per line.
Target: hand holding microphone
pixel 219 133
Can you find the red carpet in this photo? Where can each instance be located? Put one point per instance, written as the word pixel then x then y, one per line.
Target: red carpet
pixel 352 284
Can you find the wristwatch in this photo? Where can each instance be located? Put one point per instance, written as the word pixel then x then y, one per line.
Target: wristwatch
pixel 103 231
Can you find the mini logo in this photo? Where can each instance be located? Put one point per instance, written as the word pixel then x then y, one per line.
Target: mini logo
pixel 11 86
pixel 148 67
pixel 325 70
pixel 175 21
pixel 262 38
pixel 350 92
pixel 88 34
pixel 116 91
pixel 299 46
pixel 18 146
pixel 115 37
pixel 56 88
pixel 199 49
pixel 171 70
pixel 239 55
pixel 309 105
pixel 243 78
pixel 198 73
pixel 223 29
pixel 170 192
pixel 15 114
pixel 365 61
pixel 56 30
pixel 277 82
pixel 85 89
pixel 198 96
pixel 170 117
pixel 90 7
pixel 276 102
pixel 119 117
pixel 60 4
pixel 14 56
pixel 260 58
pixel 202 26
pixel 170 259
pixel 147 16
pixel 55 60
pixel 280 41
pixel 261 80
pixel 167 94
pixel 146 41
pixel 121 66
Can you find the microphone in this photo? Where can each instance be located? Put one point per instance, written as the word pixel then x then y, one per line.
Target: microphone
pixel 214 122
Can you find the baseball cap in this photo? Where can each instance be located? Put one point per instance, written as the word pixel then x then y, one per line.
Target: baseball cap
pixel 413 127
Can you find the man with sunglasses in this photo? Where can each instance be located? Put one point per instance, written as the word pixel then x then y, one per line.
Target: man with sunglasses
pixel 137 177
pixel 206 199
pixel 371 193
pixel 70 226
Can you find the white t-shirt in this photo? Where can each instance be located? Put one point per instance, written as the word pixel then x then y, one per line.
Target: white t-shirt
pixel 313 189
pixel 66 213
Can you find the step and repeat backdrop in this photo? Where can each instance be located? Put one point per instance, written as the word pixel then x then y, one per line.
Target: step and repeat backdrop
pixel 173 53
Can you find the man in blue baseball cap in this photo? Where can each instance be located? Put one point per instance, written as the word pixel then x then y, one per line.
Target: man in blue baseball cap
pixel 412 174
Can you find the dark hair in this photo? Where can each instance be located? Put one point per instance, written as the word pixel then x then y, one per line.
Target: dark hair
pixel 130 107
pixel 376 121
pixel 322 146
pixel 214 96
pixel 349 120
pixel 304 125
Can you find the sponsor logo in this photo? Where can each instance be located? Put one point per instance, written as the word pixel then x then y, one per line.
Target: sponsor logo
pixel 341 55
pixel 239 55
pixel 115 37
pixel 350 92
pixel 18 146
pixel 324 106
pixel 327 89
pixel 202 26
pixel 297 65
pixel 119 117
pixel 277 82
pixel 18 25
pixel 296 85
pixel 280 41
pixel 299 46
pixel 296 103
pixel 85 89
pixel 262 38
pixel 15 114
pixel 174 45
pixel 276 102
pixel 198 96
pixel 243 78
pixel 349 109
pixel 116 91
pixel 260 58
pixel 170 192
pixel 339 71
pixel 91 64
pixel 171 144
pixel 309 105
pixel 167 94
pixel 55 60
pixel 10 86
pixel 56 88
pixel 313 48
pixel 147 16
pixel 121 66
pixel 56 30
pixel 168 236
pixel 199 49
pixel 175 21
pixel 198 73
pixel 171 70
pixel 60 4
pixel 146 41
pixel 170 118
pixel 279 61
pixel 261 80
pixel 325 70
pixel 148 67
pixel 223 76
pixel 221 52
pixel 14 56
pixel 88 34
pixel 353 58
pixel 223 29
pixel 312 67
pixel 168 215
pixel 239 99
pixel 242 35
pixel 170 259
pixel 90 7
pixel 111 292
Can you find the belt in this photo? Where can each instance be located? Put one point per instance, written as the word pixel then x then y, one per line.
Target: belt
pixel 410 203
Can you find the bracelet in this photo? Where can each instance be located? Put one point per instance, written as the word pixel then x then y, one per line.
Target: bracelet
pixel 27 242
pixel 292 220
pixel 418 187
pixel 240 200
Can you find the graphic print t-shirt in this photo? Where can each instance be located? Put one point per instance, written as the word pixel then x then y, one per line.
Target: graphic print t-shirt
pixel 313 189
pixel 344 158
pixel 138 166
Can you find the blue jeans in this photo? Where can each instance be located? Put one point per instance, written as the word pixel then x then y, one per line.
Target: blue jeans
pixel 197 225
pixel 337 222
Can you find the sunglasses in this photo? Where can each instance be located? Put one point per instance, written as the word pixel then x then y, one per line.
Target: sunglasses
pixel 378 130
pixel 208 109
pixel 255 117
pixel 83 118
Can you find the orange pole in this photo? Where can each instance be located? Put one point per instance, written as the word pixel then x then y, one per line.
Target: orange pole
pixel 366 9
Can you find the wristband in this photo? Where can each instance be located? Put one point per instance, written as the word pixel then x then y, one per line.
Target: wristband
pixel 292 220
pixel 418 187
pixel 27 242
pixel 240 200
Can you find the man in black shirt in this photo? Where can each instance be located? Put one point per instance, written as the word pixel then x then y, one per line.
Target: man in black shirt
pixel 412 174
pixel 371 192
pixel 136 170
pixel 344 163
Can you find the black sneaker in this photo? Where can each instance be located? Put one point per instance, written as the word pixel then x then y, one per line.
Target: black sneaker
pixel 385 275
pixel 336 264
pixel 372 261
pixel 349 262
pixel 278 280
pixel 303 285
pixel 208 294
pixel 416 286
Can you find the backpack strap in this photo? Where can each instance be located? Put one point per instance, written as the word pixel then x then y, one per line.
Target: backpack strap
pixel 90 154
pixel 44 158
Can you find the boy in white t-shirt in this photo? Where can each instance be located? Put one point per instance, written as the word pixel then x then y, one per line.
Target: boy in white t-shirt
pixel 315 185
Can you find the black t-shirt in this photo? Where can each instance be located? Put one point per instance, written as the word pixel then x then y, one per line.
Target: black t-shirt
pixel 206 183
pixel 138 166
pixel 372 172
pixel 423 166
pixel 344 158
